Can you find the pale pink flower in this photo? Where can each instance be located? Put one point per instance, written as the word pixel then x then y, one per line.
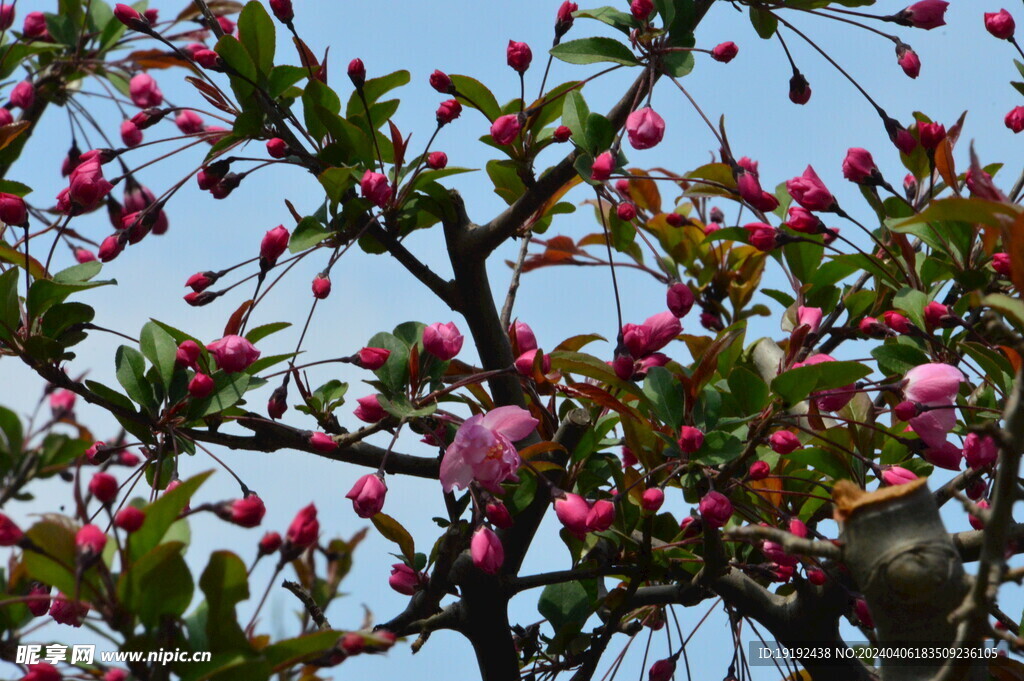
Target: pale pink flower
pixel 483 449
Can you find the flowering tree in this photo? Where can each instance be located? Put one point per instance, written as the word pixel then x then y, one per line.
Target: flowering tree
pixel 767 441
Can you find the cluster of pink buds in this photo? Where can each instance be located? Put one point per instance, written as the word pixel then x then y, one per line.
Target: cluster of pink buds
pixel 525 345
pixel 640 345
pixel 580 516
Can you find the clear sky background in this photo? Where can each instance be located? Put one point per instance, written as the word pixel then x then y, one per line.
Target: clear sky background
pixel 963 68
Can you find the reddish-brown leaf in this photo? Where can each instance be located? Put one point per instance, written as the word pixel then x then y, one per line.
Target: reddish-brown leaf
pixel 235 321
pixel 158 59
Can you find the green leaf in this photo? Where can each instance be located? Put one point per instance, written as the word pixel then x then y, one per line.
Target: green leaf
pixel 45 293
pixel 160 349
pixel 575 114
pixel 157 584
pixel 599 134
pixel 283 77
pixel 898 358
pixel 803 257
pixel 748 389
pixel 163 513
pixel 476 95
pixel 228 391
pixel 594 50
pixel 719 447
pixel 764 22
pixel 374 89
pixel 130 367
pixel 320 104
pixel 308 233
pixel 666 396
pixel 565 605
pixel 796 384
pixel 292 651
pixel 10 313
pixel 912 302
pixel 225 584
pixel 958 210
pixel 393 530
pixel 237 57
pixel 1011 307
pixel 609 15
pixel 16 188
pixel 10 432
pixel 260 332
pixel 258 35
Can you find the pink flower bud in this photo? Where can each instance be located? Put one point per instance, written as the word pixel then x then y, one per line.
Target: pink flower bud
pixel 935 314
pixel 518 56
pixel 799 89
pixel 816 577
pixel 486 550
pixel 505 129
pixel 628 457
pixel 926 14
pixel 645 127
pixel 440 81
pixel 442 340
pixel 623 366
pixel 270 543
pixel 23 95
pixel 690 527
pixel 200 281
pixel 448 111
pixel 1001 263
pixel 83 255
pixel 802 220
pixel 321 287
pixel 233 353
pixel 976 522
pixel 247 512
pixel 367 495
pixel 980 450
pixel 35 26
pixel 226 25
pixel 277 405
pixel 274 243
pixel 277 147
pixel 369 410
pixel 404 579
pixel 763 237
pixel 10 534
pixel 1000 24
pixel 130 134
pixel 690 439
pixel 798 527
pixel 652 499
pixel 208 59
pixel 725 52
pixel 187 354
pixel 65 611
pixel 304 528
pixel 1015 119
pixel 372 358
pixel 561 134
pixel 872 328
pixel 626 211
pixel 6 17
pixel 498 514
pixel 810 192
pixel 62 403
pixel 601 516
pixel 201 386
pixel 895 321
pixel 144 91
pixel 572 511
pixel 282 9
pixel 103 487
pixel 662 670
pixel 90 540
pixel 13 210
pixel 97 454
pixel 357 73
pixel 376 188
pixel 896 475
pixel 111 247
pixel 322 442
pixel 130 519
pixel 42 671
pixel 437 160
pixel 602 167
pixel 641 9
pixel 931 134
pixel 564 19
pixel 39 606
pixel 715 509
pixel 859 167
pixel 759 470
pixel 909 62
pixel 679 299
pixel 808 316
pixel 784 442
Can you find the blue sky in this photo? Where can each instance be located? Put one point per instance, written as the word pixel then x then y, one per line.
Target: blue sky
pixel 963 68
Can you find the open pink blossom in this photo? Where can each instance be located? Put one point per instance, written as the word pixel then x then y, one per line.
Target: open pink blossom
pixel 934 383
pixel 483 449
pixel 233 353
